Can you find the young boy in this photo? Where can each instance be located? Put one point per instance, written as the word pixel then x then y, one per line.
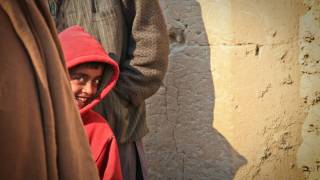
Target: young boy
pixel 92 75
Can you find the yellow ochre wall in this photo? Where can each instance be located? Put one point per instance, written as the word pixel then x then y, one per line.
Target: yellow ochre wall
pixel 241 99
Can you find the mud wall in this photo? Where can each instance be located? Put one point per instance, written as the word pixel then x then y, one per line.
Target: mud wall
pixel 241 96
pixel 309 60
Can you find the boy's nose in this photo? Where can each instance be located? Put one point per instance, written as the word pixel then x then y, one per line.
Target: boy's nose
pixel 89 89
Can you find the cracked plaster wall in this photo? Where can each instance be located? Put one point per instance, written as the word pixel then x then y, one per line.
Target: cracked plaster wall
pixel 241 96
pixel 309 59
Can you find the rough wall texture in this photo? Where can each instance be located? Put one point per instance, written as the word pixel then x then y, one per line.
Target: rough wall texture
pixel 241 97
pixel 309 59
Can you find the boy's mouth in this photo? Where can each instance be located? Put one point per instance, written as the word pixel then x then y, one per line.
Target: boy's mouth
pixel 81 101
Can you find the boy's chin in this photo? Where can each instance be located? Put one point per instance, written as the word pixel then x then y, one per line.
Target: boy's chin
pixel 80 105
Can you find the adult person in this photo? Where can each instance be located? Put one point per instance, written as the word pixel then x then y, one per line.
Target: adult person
pixel 135 31
pixel 41 135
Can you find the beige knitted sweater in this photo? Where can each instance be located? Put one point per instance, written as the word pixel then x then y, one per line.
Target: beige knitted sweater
pixel 135 31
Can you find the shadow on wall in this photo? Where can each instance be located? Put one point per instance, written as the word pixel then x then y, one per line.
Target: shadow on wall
pixel 182 143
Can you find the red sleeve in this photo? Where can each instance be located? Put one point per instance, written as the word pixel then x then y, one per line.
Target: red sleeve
pixel 109 161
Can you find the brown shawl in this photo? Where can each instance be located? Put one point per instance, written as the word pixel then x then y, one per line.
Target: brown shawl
pixel 41 132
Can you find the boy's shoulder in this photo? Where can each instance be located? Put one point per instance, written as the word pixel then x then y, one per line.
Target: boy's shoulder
pixel 96 125
pixel 99 133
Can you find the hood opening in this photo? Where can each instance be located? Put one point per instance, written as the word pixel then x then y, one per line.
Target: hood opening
pixel 80 47
pixel 109 78
pixel 106 78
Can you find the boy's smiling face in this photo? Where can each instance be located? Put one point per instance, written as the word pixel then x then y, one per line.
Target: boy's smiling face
pixel 85 81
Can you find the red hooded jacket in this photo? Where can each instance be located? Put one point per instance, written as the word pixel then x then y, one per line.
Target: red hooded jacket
pixel 80 47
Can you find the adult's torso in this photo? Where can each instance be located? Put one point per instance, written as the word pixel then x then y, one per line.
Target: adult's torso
pixel 101 18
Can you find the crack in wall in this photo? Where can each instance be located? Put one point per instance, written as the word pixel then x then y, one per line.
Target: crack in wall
pixel 175 126
pixel 293 41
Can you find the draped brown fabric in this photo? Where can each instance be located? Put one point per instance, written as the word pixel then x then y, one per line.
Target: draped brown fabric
pixel 41 131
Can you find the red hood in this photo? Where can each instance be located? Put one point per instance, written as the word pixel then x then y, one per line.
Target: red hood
pixel 80 47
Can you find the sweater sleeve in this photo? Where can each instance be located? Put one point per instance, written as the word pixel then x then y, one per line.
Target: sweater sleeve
pixel 109 161
pixel 146 60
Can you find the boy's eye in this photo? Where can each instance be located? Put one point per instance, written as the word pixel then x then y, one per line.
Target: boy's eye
pixel 78 79
pixel 96 82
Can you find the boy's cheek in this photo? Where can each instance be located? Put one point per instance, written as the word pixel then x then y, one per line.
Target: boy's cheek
pixel 75 88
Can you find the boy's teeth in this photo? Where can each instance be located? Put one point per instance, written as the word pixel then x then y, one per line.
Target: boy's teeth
pixel 82 99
